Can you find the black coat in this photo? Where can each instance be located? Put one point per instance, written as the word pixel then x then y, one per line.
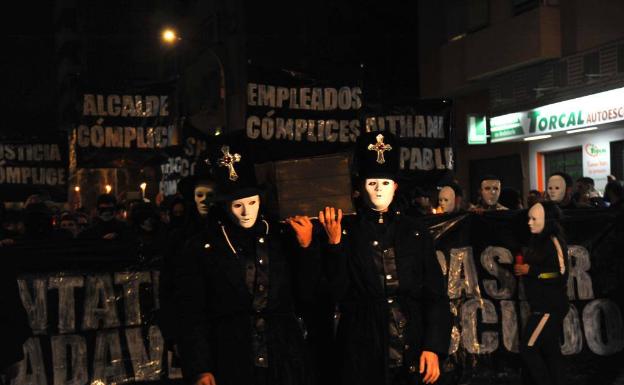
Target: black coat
pixel 175 240
pixel 216 308
pixel 545 286
pixel 365 300
pixel 14 326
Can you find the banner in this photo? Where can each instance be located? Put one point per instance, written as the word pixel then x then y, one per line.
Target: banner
pixel 296 117
pixel 125 127
pixel 32 166
pixel 292 116
pixel 91 307
pixel 489 306
pixel 181 161
pixel 425 137
pixel 92 310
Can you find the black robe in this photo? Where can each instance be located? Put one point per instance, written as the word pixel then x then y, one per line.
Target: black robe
pixel 244 335
pixel 391 296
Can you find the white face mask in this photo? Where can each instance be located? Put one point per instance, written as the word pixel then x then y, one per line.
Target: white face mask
pixel 556 188
pixel 490 191
pixel 246 210
pixel 446 198
pixel 536 218
pixel 202 194
pixel 380 193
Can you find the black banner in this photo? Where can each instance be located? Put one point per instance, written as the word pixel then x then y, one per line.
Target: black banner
pixel 489 306
pixel 292 116
pixel 181 161
pixel 125 127
pixel 92 306
pixel 424 133
pixel 32 166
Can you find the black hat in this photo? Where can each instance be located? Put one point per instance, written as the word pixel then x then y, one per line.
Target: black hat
pixel 377 155
pixel 233 169
pixel 203 174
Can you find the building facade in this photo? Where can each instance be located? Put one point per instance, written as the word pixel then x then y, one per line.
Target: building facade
pixel 514 69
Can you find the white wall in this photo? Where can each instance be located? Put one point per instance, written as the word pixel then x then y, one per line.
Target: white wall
pixel 568 141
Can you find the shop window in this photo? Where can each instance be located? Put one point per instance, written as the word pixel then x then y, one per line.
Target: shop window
pixel 620 58
pixel 617 159
pixel 560 74
pixel 569 161
pixel 591 66
pixel 520 6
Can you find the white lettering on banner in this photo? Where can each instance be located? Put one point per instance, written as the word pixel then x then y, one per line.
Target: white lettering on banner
pixel 101 136
pixel 125 105
pixel 408 126
pixel 91 306
pixel 304 98
pixel 30 152
pixel 426 159
pixel 298 130
pixel 602 326
pixel 100 298
pixel 32 175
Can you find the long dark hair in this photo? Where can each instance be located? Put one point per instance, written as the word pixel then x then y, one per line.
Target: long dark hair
pixel 552 228
pixel 552 218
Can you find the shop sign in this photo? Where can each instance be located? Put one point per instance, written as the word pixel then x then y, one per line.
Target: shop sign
pixel 597 162
pixel 586 111
pixel 477 129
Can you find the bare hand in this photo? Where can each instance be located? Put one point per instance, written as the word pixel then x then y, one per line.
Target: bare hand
pixel 521 269
pixel 331 224
pixel 477 210
pixel 110 236
pixel 303 229
pixel 430 366
pixel 7 242
pixel 206 379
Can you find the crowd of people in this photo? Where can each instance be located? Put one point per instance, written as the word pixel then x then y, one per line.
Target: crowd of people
pixel 493 195
pixel 221 304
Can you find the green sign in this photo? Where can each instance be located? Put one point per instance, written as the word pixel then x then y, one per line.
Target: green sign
pixel 477 129
pixel 570 115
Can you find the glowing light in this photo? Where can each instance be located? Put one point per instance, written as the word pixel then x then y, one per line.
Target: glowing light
pixel 143 186
pixel 537 137
pixel 169 36
pixel 582 130
pixel 108 188
pixel 77 189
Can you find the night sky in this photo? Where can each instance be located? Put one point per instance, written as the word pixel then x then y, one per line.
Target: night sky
pixel 371 42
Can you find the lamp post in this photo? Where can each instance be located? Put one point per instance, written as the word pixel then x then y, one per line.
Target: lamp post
pixel 211 120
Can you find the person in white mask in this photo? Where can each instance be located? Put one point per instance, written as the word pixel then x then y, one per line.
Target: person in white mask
pixel 489 193
pixel 450 198
pixel 197 204
pixel 394 312
pixel 559 189
pixel 544 272
pixel 237 289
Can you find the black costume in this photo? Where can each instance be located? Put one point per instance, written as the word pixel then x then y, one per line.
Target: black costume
pixel 391 297
pixel 545 286
pixel 179 232
pixel 14 326
pixel 388 284
pixel 237 310
pixel 235 293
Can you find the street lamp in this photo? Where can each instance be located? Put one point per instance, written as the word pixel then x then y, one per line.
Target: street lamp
pixel 169 36
pixel 198 60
